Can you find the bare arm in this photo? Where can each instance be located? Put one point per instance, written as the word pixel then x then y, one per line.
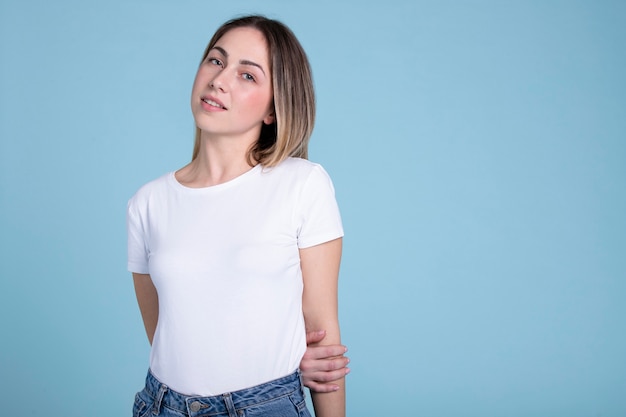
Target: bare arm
pixel 320 271
pixel 322 365
pixel 148 300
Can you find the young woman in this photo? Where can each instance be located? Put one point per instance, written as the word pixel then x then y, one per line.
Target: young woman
pixel 236 254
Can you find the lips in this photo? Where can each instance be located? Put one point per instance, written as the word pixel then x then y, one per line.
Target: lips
pixel 213 102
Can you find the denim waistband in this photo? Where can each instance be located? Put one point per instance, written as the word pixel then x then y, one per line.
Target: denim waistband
pixel 221 404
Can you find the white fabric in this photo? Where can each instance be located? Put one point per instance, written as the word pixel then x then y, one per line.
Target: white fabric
pixel 225 262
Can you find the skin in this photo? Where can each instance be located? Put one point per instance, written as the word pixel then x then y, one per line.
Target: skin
pixel 320 271
pixel 235 74
pixel 232 96
pixel 321 364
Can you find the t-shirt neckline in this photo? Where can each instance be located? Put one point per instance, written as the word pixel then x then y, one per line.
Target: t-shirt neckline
pixel 172 179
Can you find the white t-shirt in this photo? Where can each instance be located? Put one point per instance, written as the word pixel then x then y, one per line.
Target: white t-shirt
pixel 225 262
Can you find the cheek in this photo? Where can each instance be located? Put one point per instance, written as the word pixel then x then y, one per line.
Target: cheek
pixel 203 77
pixel 197 82
pixel 261 101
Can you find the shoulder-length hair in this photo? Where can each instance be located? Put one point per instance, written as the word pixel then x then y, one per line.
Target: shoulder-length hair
pixel 294 96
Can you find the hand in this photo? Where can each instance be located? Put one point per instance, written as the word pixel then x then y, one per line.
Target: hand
pixel 321 365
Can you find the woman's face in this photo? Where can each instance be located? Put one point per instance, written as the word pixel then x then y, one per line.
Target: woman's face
pixel 232 94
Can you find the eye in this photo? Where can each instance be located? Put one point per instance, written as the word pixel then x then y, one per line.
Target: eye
pixel 215 61
pixel 248 77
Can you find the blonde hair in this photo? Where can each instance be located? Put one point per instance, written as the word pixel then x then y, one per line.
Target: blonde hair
pixel 294 96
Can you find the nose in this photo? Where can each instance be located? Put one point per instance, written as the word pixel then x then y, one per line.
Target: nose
pixel 219 81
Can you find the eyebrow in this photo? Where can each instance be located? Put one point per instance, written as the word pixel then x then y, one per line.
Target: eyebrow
pixel 242 62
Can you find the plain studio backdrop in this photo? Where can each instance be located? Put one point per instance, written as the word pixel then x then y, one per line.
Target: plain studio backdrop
pixel 478 150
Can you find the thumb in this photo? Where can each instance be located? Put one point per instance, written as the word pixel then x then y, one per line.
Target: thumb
pixel 315 336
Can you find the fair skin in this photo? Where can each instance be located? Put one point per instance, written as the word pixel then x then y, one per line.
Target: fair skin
pixel 232 97
pixel 230 100
pixel 323 364
pixel 320 270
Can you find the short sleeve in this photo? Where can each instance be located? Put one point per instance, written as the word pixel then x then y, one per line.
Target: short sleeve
pixel 137 248
pixel 317 211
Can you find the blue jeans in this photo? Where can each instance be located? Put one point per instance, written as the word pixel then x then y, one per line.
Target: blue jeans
pixel 283 397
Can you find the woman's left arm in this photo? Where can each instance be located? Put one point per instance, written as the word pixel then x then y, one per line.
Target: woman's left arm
pixel 320 273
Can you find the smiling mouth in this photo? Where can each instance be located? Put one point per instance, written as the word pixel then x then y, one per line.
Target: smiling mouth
pixel 213 103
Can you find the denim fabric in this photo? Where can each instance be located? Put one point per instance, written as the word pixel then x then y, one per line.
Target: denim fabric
pixel 283 397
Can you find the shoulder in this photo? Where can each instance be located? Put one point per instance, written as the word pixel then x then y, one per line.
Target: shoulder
pixel 304 177
pixel 299 168
pixel 150 190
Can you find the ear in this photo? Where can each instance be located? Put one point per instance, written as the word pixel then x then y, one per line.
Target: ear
pixel 269 119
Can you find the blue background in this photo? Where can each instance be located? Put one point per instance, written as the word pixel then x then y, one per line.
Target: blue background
pixel 478 149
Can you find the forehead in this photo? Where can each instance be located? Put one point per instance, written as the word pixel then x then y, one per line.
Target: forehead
pixel 245 43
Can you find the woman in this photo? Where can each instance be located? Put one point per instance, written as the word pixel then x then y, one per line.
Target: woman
pixel 235 254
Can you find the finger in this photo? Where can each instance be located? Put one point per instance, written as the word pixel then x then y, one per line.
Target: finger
pixel 324 382
pixel 329 376
pixel 315 337
pixel 315 387
pixel 322 352
pixel 310 366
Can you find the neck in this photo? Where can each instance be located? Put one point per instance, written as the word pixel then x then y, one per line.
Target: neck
pixel 220 159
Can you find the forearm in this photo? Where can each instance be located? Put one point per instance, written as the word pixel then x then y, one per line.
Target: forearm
pixel 320 269
pixel 148 301
pixel 321 365
pixel 331 404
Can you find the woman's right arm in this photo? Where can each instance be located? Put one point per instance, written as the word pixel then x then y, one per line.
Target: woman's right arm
pixel 148 300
